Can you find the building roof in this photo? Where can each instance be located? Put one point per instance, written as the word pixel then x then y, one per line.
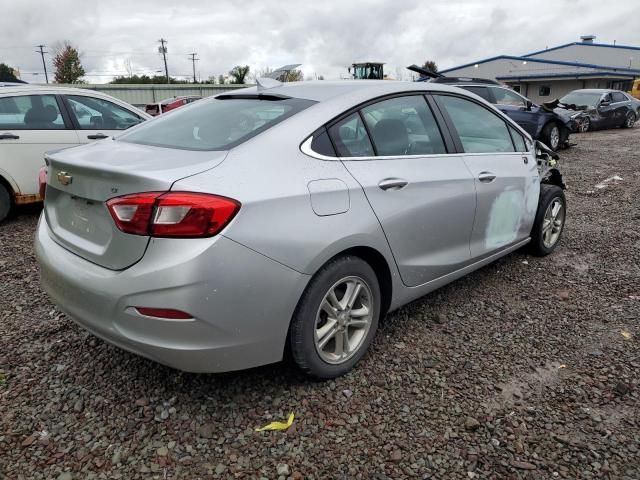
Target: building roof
pixel 582 44
pixel 540 76
pixel 540 60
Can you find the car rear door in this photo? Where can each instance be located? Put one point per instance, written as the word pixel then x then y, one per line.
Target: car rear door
pixel 96 118
pixel 423 196
pixel 515 106
pixel 31 125
pixel 506 176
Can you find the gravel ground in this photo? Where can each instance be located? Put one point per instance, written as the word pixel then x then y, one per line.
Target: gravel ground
pixel 526 369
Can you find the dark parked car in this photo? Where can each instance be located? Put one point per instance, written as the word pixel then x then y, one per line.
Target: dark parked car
pixel 550 126
pixel 602 108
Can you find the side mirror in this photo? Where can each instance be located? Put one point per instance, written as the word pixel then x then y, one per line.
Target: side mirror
pixel 604 103
pixel 529 104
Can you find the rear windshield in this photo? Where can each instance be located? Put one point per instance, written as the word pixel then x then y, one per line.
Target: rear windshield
pixel 216 124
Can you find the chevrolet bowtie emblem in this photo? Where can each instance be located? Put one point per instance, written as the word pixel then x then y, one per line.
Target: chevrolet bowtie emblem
pixel 64 178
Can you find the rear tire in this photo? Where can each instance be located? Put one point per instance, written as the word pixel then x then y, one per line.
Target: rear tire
pixel 550 220
pixel 551 136
pixel 629 120
pixel 5 202
pixel 327 340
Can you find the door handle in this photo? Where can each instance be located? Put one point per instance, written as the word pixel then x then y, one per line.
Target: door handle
pixel 392 184
pixel 9 136
pixel 486 177
pixel 97 136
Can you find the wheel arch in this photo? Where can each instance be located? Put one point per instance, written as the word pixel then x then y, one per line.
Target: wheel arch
pixel 10 188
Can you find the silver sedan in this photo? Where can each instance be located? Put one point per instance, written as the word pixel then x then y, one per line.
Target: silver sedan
pixel 288 216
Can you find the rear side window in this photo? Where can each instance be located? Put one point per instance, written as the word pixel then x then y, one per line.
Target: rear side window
pixel 216 124
pixel 403 126
pixel 322 144
pixel 97 114
pixel 30 112
pixel 480 130
pixel 350 137
pixel 618 97
pixel 482 92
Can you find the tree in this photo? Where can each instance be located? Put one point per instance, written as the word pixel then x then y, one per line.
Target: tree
pixel 239 74
pixel 145 79
pixel 430 65
pixel 221 80
pixel 67 64
pixel 7 74
pixel 292 76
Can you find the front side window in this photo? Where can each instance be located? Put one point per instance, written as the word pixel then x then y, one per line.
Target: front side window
pixel 350 137
pixel 217 123
pixel 480 130
pixel 518 140
pixel 507 97
pixel 482 92
pixel 403 126
pixel 30 112
pixel 96 114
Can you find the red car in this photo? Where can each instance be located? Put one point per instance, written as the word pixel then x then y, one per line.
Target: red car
pixel 169 104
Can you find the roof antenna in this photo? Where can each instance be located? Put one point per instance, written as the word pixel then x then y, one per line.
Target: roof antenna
pixel 264 83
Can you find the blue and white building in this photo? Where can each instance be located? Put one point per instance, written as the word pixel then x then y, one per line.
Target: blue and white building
pixel 553 72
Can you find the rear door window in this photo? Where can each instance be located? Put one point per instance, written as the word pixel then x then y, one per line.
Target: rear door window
pixel 479 130
pixel 350 137
pixel 96 113
pixel 30 112
pixel 618 97
pixel 216 124
pixel 403 126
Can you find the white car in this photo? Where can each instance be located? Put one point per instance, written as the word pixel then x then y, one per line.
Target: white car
pixel 37 119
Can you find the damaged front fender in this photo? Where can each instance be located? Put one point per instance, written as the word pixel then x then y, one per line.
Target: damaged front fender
pixel 548 165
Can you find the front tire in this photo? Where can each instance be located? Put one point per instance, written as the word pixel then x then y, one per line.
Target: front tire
pixel 550 219
pixel 5 202
pixel 585 125
pixel 336 318
pixel 551 136
pixel 629 120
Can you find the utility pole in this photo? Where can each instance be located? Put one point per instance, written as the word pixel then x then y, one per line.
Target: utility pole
pixel 42 52
pixel 193 61
pixel 163 50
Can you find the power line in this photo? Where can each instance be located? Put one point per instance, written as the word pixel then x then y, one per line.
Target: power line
pixel 193 61
pixel 162 49
pixel 42 52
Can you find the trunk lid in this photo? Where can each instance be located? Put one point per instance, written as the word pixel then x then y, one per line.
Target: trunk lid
pixel 80 181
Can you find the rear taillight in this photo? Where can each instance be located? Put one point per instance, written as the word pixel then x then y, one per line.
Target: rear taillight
pixel 172 214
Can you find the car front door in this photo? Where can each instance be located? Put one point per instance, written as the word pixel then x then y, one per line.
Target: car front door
pixel 96 118
pixel 621 106
pixel 423 196
pixel 506 177
pixel 516 107
pixel 606 112
pixel 31 125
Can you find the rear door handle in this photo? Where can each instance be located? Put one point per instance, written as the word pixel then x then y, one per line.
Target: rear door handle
pixel 486 177
pixel 9 136
pixel 392 184
pixel 97 136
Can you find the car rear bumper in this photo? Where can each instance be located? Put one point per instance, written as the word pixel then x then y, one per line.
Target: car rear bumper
pixel 241 301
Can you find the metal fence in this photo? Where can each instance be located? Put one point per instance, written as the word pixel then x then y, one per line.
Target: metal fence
pixel 140 95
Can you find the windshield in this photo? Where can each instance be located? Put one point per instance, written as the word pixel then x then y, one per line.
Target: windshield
pixel 581 98
pixel 216 124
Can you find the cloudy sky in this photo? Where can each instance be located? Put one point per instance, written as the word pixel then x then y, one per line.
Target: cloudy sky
pixel 324 36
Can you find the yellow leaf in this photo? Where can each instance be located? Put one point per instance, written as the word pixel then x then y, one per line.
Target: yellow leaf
pixel 277 425
pixel 626 334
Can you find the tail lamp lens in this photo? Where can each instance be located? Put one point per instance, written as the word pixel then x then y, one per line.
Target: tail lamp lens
pixel 172 214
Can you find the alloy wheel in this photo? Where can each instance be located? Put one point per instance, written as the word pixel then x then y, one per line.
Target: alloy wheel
pixel 631 119
pixel 553 223
pixel 554 138
pixel 584 125
pixel 343 319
